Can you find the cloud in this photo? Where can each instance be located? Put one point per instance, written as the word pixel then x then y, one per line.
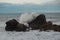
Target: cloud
pixel 57 1
pixel 9 1
pixel 30 1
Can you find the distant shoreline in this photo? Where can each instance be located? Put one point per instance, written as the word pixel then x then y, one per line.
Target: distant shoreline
pixel 29 12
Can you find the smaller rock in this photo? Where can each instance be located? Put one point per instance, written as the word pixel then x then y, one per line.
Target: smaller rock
pixel 11 25
pixel 56 28
pixel 46 26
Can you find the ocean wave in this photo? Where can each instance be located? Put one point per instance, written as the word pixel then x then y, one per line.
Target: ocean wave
pixel 26 17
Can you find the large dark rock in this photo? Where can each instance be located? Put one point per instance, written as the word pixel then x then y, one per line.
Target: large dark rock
pixel 11 25
pixel 35 24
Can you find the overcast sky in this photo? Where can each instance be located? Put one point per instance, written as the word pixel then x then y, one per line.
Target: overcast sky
pixel 51 5
pixel 30 1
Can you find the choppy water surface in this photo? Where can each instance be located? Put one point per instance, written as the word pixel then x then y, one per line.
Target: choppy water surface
pixel 54 17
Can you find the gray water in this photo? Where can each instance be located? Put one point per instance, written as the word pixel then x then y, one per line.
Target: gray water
pixel 54 17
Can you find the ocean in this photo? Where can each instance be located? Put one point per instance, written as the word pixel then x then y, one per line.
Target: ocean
pixel 32 34
pixel 54 17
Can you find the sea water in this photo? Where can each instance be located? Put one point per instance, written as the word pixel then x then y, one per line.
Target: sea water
pixel 54 17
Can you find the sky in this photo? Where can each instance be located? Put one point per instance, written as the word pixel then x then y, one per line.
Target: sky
pixel 32 5
pixel 30 1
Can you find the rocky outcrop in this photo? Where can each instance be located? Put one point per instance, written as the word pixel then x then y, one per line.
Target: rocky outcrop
pixel 36 23
pixel 56 27
pixel 49 26
pixel 11 25
pixel 46 26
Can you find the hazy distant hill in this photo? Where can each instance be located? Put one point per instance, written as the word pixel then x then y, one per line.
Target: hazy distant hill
pixel 13 8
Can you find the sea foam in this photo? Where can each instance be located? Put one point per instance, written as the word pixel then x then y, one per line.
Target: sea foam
pixel 27 17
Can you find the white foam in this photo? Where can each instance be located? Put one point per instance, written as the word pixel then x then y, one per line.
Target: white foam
pixel 26 17
pixel 31 35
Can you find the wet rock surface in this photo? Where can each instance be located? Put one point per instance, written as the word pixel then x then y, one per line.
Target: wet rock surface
pixel 39 23
pixel 14 25
pixel 11 25
pixel 35 24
